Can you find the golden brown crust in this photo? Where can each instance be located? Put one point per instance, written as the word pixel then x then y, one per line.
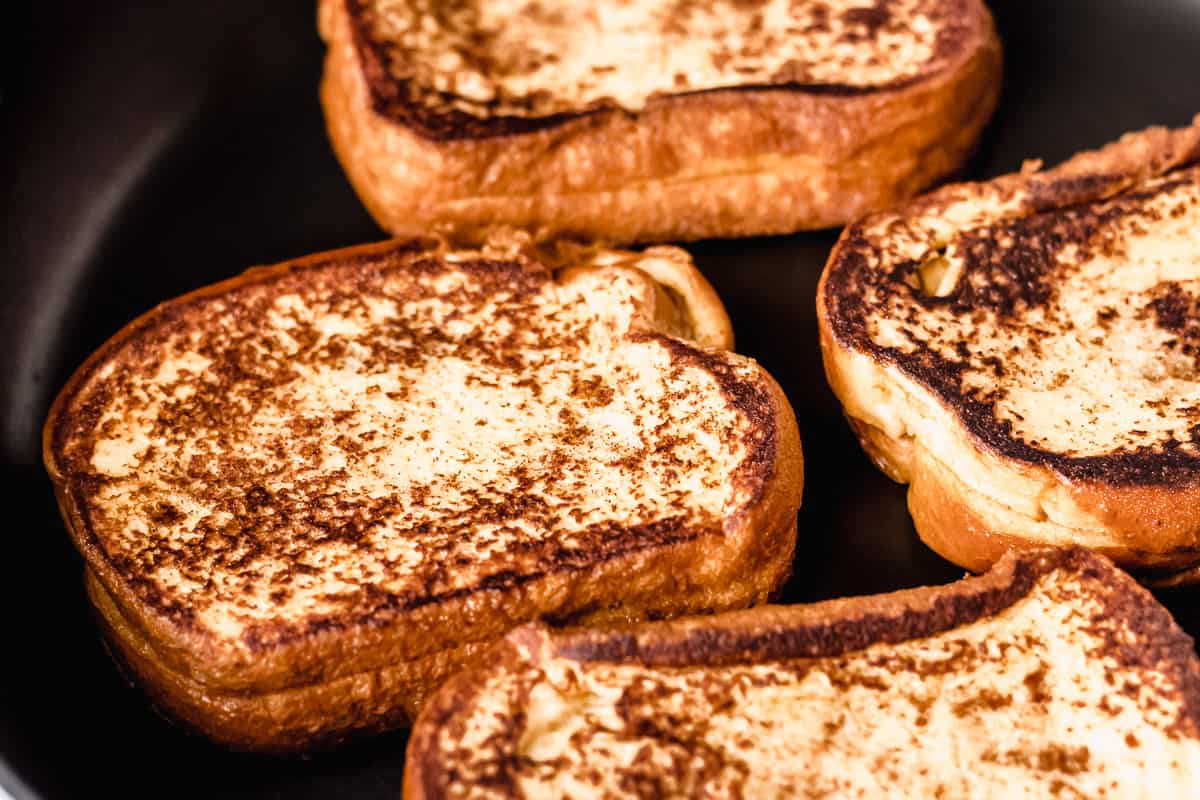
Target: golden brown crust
pixel 722 163
pixel 829 629
pixel 390 694
pixel 286 720
pixel 981 489
pixel 704 315
pixel 686 306
pixel 293 694
pixel 947 524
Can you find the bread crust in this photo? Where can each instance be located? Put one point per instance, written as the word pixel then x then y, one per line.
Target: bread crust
pixel 294 695
pixel 820 630
pixel 283 720
pixel 732 162
pixel 994 498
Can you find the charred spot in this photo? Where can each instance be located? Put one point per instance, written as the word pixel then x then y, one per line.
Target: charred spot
pixel 257 497
pixel 1176 309
pixel 1013 265
pixel 870 19
pixel 166 514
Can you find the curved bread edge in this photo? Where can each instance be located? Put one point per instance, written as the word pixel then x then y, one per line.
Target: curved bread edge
pixel 282 721
pixel 734 162
pixel 198 682
pixel 821 630
pixel 971 515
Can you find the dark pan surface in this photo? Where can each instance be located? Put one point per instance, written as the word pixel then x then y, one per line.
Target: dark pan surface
pixel 149 149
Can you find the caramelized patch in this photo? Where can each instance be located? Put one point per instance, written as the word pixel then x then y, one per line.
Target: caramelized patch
pixel 1177 309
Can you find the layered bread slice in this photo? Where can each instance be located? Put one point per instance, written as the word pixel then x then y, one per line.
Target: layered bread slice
pixel 1025 353
pixel 307 495
pixel 1054 675
pixel 645 120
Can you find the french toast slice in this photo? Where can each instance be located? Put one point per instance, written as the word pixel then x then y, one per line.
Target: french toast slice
pixel 307 495
pixel 646 120
pixel 1054 674
pixel 1023 352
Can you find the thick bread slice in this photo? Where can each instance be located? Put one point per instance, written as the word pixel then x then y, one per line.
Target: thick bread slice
pixel 1026 354
pixel 645 120
pixel 1053 675
pixel 309 494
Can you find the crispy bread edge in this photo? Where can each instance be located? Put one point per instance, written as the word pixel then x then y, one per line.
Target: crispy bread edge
pixel 743 565
pixel 732 162
pixel 285 721
pixel 1150 528
pixel 825 629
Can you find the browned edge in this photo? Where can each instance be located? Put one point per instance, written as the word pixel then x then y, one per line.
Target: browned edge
pixel 828 629
pixel 1088 177
pixel 388 94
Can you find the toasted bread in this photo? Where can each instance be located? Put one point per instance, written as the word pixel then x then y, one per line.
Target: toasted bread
pixel 1054 674
pixel 308 494
pixel 643 120
pixel 1024 353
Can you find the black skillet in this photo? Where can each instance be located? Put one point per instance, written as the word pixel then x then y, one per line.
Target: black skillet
pixel 152 148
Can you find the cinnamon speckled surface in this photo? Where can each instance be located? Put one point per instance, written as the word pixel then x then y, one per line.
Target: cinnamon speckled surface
pixel 142 164
pixel 531 60
pixel 1053 674
pixel 344 442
